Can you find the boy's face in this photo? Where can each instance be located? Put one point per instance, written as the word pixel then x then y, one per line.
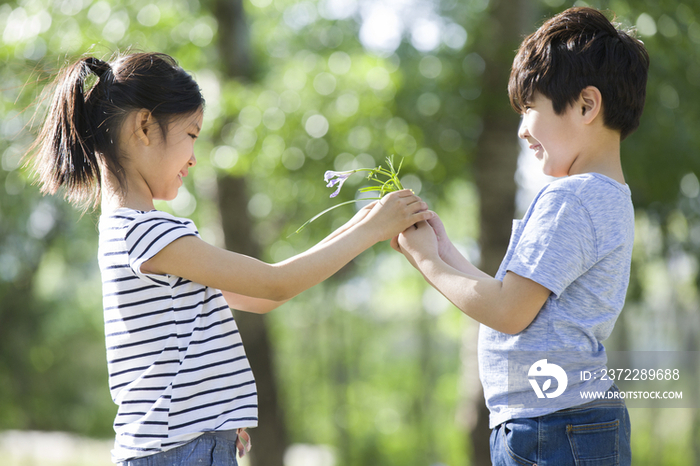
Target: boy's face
pixel 551 136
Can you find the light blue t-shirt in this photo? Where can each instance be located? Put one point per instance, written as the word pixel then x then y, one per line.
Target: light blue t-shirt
pixel 576 240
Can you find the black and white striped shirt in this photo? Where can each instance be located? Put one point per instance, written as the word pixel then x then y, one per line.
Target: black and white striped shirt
pixel 176 362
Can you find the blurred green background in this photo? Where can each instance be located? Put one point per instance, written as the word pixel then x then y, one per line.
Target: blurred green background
pixel 372 367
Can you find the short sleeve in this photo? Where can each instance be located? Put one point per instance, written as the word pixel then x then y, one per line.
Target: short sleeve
pixel 557 244
pixel 150 233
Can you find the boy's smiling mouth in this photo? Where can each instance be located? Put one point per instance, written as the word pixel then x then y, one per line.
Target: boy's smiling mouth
pixel 538 150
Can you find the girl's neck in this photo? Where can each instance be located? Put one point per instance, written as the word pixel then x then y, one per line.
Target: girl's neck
pixel 110 205
pixel 116 196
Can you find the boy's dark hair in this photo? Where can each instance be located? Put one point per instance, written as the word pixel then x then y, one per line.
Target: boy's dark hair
pixel 577 48
pixel 79 137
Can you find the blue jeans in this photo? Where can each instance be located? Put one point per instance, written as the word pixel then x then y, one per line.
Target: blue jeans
pixel 209 449
pixel 592 434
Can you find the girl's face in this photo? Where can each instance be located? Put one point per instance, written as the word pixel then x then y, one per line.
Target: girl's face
pixel 176 156
pixel 549 135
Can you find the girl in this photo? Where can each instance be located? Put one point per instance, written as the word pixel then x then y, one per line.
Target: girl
pixel 177 368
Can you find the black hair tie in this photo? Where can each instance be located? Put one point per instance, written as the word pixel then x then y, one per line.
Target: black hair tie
pixel 100 68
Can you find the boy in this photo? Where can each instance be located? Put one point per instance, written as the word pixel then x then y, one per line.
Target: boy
pixel 580 85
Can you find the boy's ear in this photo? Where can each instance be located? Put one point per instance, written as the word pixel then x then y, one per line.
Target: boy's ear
pixel 143 121
pixel 590 103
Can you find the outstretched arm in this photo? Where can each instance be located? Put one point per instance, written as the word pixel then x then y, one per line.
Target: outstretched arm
pixel 262 305
pixel 191 258
pixel 357 218
pixel 508 306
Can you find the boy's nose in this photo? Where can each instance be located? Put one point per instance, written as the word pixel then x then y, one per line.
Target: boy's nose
pixel 522 130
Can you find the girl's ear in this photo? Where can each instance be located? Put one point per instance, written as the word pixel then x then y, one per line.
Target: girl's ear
pixel 143 122
pixel 590 103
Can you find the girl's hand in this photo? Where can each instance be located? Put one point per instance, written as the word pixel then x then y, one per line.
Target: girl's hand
pixel 395 212
pixel 243 443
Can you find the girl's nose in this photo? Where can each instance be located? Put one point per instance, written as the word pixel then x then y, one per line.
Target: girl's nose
pixel 193 161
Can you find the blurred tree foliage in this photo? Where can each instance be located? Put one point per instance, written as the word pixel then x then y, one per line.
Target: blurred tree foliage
pixel 370 361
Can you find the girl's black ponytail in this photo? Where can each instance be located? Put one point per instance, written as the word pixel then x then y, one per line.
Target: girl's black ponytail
pixel 65 150
pixel 78 141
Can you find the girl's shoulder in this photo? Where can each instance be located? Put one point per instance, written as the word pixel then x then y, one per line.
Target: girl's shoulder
pixel 126 214
pixel 120 218
pixel 127 219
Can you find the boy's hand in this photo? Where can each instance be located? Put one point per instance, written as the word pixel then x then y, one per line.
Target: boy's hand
pixel 443 248
pixel 395 212
pixel 418 242
pixel 444 245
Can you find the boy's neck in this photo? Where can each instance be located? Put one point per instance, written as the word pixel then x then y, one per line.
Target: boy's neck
pixel 609 166
pixel 603 157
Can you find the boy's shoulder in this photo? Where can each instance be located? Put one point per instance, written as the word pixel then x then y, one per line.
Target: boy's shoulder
pixel 593 190
pixel 605 203
pixel 587 184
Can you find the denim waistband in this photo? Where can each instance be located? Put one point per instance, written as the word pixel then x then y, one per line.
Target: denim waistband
pixel 231 435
